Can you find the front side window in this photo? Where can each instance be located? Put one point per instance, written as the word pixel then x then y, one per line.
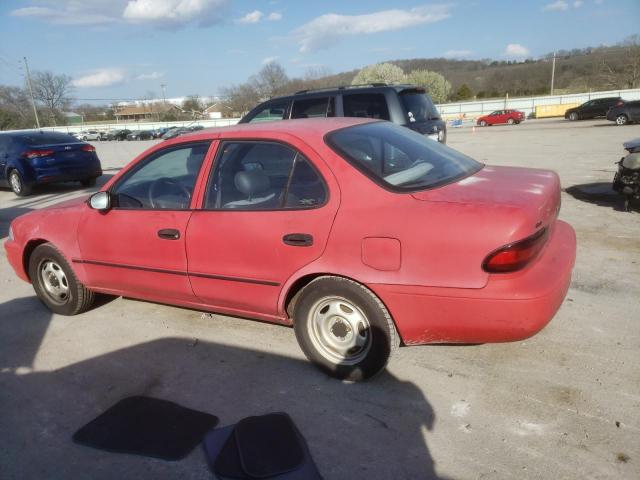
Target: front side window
pixel 164 181
pixel 273 111
pixel 366 105
pixel 419 106
pixel 263 176
pixel 398 158
pixel 313 108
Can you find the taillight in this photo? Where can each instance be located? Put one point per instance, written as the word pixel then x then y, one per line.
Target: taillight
pixel 516 255
pixel 37 153
pixel 88 148
pixel 620 102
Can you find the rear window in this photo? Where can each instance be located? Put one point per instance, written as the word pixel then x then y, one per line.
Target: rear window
pixel 398 158
pixel 47 138
pixel 418 106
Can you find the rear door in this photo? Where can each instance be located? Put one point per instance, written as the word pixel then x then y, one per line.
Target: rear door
pixel 267 213
pixel 634 111
pixel 5 142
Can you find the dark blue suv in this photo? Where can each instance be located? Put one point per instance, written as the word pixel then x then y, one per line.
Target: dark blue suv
pixel 34 157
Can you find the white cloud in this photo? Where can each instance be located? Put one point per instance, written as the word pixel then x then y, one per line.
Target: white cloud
pixel 328 29
pixel 457 53
pixel 96 12
pixel 251 17
pixel 516 50
pixel 105 77
pixel 150 76
pixel 558 6
pixel 267 60
pixel 274 17
pixel 173 12
pixel 578 4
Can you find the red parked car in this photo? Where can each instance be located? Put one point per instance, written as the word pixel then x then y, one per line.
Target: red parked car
pixel 501 116
pixel 354 231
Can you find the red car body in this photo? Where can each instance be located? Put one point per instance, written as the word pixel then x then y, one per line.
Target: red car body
pixel 422 253
pixel 501 116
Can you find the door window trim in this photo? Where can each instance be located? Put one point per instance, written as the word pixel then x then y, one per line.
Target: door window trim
pixel 220 149
pixel 153 155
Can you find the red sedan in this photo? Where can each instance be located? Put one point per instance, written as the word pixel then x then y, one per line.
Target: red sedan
pixel 359 233
pixel 501 116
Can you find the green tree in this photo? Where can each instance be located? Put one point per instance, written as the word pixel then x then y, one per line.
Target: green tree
pixel 463 93
pixel 436 85
pixel 379 73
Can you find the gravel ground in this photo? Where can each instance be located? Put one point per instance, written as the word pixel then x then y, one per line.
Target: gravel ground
pixel 563 404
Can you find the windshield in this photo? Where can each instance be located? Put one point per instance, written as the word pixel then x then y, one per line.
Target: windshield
pixel 419 106
pixel 399 158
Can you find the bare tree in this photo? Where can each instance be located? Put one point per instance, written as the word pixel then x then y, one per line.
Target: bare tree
pixel 52 90
pixel 240 98
pixel 270 81
pixel 15 107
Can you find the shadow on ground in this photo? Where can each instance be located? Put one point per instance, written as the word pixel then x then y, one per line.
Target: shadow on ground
pixel 601 194
pixel 366 430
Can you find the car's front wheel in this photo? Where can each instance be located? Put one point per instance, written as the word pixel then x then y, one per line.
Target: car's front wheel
pixel 56 283
pixel 511 121
pixel 343 328
pixel 622 119
pixel 573 116
pixel 483 123
pixel 17 184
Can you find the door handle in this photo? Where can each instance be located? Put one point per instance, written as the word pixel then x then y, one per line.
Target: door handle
pixel 169 234
pixel 298 239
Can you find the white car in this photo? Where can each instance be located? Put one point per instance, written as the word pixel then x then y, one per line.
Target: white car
pixel 88 135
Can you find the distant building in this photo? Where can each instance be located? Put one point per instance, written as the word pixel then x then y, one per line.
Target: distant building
pixel 144 112
pixel 219 110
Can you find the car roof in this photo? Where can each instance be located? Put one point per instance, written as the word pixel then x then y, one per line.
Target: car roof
pixel 367 88
pixel 297 127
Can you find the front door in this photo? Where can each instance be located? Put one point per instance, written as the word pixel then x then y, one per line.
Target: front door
pixel 267 213
pixel 138 246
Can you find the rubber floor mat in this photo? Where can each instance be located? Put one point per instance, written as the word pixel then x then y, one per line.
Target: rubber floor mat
pixel 243 451
pixel 147 426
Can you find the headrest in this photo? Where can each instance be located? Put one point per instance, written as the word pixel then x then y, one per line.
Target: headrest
pixel 251 182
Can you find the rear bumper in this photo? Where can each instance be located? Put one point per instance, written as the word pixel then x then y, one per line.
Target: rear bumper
pixel 510 307
pixel 64 174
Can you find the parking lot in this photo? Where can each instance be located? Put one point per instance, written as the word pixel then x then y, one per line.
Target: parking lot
pixel 563 404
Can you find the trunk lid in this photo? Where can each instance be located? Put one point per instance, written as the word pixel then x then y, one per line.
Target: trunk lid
pixel 68 154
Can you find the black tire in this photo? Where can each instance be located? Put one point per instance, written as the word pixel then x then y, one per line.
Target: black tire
pixel 17 184
pixel 88 182
pixel 511 121
pixel 622 119
pixel 77 298
pixel 381 336
pixel 573 116
pixel 483 123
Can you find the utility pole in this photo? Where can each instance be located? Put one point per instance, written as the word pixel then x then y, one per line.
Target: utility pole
pixel 164 100
pixel 33 103
pixel 553 71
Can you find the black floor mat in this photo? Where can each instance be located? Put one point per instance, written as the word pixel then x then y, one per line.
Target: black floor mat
pixel 147 426
pixel 250 455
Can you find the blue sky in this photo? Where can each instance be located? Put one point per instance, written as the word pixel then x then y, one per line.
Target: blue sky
pixel 116 49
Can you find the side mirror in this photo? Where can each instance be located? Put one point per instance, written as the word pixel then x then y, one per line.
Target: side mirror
pixel 100 201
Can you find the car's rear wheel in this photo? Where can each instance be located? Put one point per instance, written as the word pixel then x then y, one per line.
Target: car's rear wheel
pixel 511 121
pixel 573 116
pixel 56 283
pixel 622 119
pixel 88 182
pixel 343 328
pixel 17 184
pixel 483 123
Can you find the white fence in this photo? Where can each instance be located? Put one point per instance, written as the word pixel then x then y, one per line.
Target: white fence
pixel 527 104
pixel 105 127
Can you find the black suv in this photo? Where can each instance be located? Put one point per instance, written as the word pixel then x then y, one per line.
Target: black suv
pixel 593 108
pixel 406 105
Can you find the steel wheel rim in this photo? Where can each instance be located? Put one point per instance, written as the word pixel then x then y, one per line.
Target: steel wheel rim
pixel 339 330
pixel 15 182
pixel 54 281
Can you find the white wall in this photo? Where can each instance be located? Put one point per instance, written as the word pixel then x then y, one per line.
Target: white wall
pixel 219 122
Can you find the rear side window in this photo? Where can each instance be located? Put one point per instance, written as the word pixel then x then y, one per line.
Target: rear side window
pixel 263 176
pixel 273 111
pixel 398 158
pixel 366 105
pixel 48 138
pixel 313 108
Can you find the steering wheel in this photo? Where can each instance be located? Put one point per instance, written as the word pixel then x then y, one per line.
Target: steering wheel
pixel 155 194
